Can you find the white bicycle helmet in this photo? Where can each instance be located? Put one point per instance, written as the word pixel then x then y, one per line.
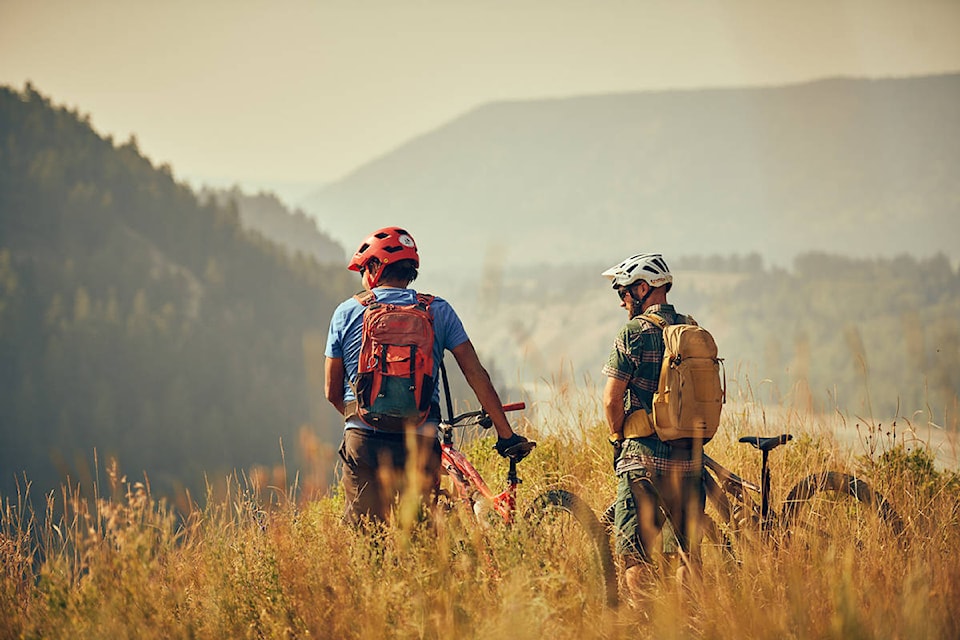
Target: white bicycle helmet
pixel 649 267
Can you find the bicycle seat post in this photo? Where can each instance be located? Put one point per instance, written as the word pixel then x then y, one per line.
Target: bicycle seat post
pixel 512 478
pixel 765 489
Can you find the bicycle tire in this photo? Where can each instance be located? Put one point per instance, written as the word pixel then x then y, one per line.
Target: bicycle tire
pixel 822 502
pixel 556 501
pixel 720 542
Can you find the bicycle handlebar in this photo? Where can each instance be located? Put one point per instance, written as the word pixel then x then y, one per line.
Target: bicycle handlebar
pixel 481 416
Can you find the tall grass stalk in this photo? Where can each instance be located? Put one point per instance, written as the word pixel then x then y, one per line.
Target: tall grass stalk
pixel 262 563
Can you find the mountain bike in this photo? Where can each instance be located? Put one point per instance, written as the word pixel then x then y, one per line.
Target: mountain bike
pixel 823 509
pixel 580 557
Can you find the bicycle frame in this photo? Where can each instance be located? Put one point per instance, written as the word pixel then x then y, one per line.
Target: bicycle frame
pixel 466 479
pixel 727 482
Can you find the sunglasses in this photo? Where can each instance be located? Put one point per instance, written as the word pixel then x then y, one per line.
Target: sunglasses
pixel 622 292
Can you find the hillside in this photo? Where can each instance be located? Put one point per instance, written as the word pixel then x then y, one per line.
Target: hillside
pixel 267 215
pixel 848 166
pixel 137 321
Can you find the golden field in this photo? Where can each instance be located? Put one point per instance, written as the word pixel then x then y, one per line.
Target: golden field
pixel 264 561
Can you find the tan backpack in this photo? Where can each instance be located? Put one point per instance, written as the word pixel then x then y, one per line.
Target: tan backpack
pixel 692 386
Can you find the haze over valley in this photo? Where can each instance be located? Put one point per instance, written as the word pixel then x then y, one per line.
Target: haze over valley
pixel 856 167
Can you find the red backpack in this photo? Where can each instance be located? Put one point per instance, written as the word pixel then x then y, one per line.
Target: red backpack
pixel 395 373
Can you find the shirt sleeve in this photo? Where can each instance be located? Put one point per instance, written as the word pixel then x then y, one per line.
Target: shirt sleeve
pixel 334 348
pixel 620 364
pixel 447 325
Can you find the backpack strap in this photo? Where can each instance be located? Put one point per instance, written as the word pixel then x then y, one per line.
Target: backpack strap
pixel 660 322
pixel 653 318
pixel 366 298
pixel 425 300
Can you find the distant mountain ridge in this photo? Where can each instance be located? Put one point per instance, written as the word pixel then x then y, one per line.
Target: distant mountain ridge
pixel 852 166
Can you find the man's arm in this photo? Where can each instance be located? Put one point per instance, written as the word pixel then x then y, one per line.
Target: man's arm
pixel 613 394
pixel 333 382
pixel 479 380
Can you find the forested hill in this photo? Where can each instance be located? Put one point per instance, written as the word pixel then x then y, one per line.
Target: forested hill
pixel 139 321
pixel 847 166
pixel 266 214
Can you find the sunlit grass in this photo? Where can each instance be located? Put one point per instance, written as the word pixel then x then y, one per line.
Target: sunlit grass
pixel 277 563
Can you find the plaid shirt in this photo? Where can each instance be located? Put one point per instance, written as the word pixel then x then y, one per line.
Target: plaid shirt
pixel 636 357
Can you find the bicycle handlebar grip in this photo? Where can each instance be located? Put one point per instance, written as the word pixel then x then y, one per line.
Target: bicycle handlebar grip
pixel 514 406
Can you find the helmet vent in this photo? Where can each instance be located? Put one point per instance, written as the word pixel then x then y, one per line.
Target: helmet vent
pixel 381 235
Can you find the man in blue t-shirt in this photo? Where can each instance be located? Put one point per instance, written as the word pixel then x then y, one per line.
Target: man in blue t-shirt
pixel 375 461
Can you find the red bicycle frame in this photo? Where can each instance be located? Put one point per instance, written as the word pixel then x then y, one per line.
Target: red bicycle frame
pixel 468 481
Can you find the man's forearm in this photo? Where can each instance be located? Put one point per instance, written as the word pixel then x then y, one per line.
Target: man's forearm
pixel 614 417
pixel 333 383
pixel 613 394
pixel 489 399
pixel 479 380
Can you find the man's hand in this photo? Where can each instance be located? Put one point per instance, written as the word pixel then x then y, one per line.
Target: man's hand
pixel 617 444
pixel 504 444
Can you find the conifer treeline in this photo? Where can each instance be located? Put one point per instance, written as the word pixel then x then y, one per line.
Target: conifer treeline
pixel 139 321
pixel 869 337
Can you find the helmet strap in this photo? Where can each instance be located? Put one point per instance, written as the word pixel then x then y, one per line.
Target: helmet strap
pixel 371 273
pixel 639 302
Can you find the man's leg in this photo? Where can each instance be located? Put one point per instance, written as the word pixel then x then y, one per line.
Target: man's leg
pixel 684 497
pixel 637 521
pixel 420 462
pixel 367 476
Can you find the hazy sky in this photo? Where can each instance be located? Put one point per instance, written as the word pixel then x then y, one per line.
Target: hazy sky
pixel 292 91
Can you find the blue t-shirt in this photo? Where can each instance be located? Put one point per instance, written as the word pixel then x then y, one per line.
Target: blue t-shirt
pixel 346 332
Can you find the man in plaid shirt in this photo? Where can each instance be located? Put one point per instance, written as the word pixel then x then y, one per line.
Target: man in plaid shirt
pixel 650 473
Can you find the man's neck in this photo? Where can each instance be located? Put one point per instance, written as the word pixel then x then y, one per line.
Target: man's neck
pixel 393 284
pixel 649 305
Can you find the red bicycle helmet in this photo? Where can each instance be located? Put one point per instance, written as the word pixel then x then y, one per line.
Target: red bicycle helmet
pixel 389 244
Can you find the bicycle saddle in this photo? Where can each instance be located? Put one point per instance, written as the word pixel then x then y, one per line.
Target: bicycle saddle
pixel 766 444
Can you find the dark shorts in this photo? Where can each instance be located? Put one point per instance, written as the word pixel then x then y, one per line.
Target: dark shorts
pixel 376 473
pixel 655 481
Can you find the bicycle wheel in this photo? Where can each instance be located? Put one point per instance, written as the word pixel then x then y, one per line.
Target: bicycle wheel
pixel 575 553
pixel 836 509
pixel 719 546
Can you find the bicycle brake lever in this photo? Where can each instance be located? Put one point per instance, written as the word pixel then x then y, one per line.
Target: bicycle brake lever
pixel 485 421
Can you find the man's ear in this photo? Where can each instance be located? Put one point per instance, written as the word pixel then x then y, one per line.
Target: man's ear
pixel 370 272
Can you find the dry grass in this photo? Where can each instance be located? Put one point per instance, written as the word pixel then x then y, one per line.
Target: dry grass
pixel 258 564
